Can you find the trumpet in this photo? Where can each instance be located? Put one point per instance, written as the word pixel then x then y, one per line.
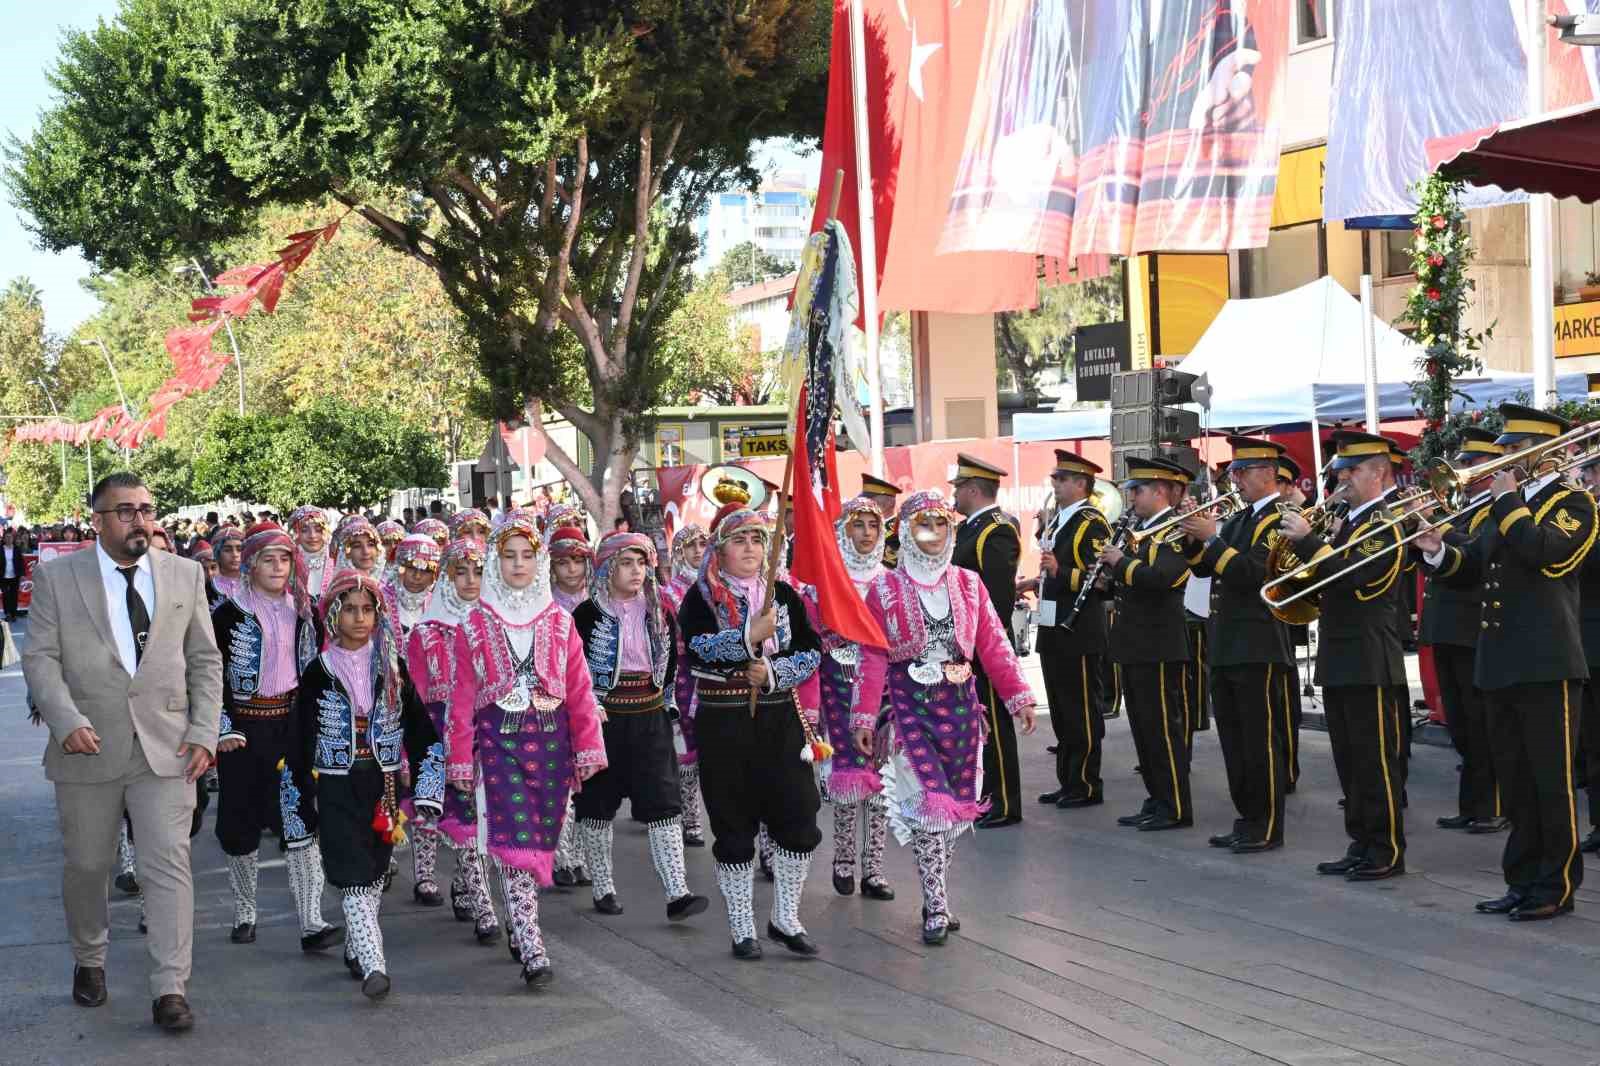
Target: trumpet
pixel 1450 484
pixel 1222 505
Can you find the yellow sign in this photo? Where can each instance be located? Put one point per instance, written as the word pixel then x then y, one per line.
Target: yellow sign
pixel 1190 292
pixel 761 445
pixel 1139 313
pixel 1578 329
pixel 1299 195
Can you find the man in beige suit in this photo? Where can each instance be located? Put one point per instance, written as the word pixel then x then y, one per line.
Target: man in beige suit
pixel 124 669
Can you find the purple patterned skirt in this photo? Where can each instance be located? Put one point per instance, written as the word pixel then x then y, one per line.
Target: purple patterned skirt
pixel 852 776
pixel 527 776
pixel 939 745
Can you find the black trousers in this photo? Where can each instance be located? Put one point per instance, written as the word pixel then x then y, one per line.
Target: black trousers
pixel 751 774
pixel 1002 776
pixel 641 766
pixel 1363 732
pixel 1537 726
pixel 251 789
pixel 1075 688
pixel 10 588
pixel 1157 714
pixel 1286 712
pixel 352 854
pixel 1589 738
pixel 1197 679
pixel 1466 719
pixel 1253 745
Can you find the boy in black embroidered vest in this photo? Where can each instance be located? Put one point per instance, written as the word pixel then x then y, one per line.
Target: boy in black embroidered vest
pixel 266 637
pixel 358 723
pixel 756 768
pixel 630 642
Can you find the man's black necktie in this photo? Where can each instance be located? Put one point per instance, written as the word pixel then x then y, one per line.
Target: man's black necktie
pixel 138 617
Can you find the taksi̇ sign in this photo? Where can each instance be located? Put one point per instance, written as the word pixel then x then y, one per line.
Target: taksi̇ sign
pixel 760 445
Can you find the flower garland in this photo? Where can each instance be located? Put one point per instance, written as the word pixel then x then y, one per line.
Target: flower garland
pixel 1436 307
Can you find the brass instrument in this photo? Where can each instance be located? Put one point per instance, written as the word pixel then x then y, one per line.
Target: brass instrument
pixel 1448 485
pixel 1222 505
pixel 1284 567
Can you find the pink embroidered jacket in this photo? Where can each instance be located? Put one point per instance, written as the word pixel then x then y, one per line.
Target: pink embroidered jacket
pixel 484 674
pixel 430 655
pixel 892 599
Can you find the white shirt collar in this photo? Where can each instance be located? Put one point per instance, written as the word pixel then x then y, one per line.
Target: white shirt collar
pixel 1538 485
pixel 1256 507
pixel 1153 519
pixel 109 567
pixel 973 517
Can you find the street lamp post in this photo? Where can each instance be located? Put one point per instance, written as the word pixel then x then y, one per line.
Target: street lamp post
pixel 54 410
pixel 127 411
pixel 233 343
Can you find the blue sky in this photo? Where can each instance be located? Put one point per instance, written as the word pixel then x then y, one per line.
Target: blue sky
pixel 29 36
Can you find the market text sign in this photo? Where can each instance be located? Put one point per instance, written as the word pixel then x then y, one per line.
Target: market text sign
pixel 1578 329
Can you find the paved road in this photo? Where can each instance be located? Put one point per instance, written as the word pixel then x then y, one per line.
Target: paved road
pixel 1082 943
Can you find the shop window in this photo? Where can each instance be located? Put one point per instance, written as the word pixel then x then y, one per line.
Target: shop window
pixel 1313 20
pixel 1397 253
pixel 1294 256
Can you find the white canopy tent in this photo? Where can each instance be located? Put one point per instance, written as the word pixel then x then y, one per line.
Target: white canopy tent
pixel 1294 358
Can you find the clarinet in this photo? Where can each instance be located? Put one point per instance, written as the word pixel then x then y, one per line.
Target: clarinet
pixel 1119 533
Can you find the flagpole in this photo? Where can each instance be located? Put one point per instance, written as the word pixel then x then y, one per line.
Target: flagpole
pixel 867 236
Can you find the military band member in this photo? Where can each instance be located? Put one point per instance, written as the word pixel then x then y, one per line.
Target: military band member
pixel 1071 658
pixel 1249 647
pixel 1450 617
pixel 1287 697
pixel 1530 662
pixel 1150 642
pixel 884 494
pixel 1359 658
pixel 1589 730
pixel 987 544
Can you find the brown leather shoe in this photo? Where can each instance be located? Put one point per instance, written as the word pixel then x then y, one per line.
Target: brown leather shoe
pixel 88 985
pixel 172 1013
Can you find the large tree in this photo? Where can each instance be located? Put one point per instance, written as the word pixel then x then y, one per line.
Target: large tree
pixel 1026 342
pixel 530 145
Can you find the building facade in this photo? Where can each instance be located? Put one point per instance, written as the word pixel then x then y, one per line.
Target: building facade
pixel 775 218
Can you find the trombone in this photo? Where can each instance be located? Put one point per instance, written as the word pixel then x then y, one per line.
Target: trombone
pixel 1448 485
pixel 1223 505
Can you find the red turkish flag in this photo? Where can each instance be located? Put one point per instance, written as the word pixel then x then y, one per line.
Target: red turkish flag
pixel 921 78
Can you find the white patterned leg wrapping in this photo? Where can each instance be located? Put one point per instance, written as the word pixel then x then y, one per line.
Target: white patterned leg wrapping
pixel 125 853
pixel 666 852
pixel 522 902
pixel 789 869
pixel 242 879
pixel 425 855
pixel 737 883
pixel 930 852
pixel 568 853
pixel 474 872
pixel 594 844
pixel 689 797
pixel 306 882
pixel 458 880
pixel 845 816
pixel 362 934
pixel 877 836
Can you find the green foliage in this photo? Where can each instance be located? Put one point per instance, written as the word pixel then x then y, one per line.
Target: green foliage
pixel 746 264
pixel 543 158
pixel 708 357
pixel 1437 304
pixel 329 454
pixel 1026 342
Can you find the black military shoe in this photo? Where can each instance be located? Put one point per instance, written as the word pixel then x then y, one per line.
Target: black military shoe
pixel 1454 821
pixel 1339 867
pixel 996 820
pixel 1371 871
pixel 1499 905
pixel 1529 911
pixel 1223 840
pixel 1133 820
pixel 1489 825
pixel 1157 822
pixel 1053 797
pixel 1250 847
pixel 1069 804
pixel 799 943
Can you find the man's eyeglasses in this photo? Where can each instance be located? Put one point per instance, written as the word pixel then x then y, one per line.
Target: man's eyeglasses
pixel 126 512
